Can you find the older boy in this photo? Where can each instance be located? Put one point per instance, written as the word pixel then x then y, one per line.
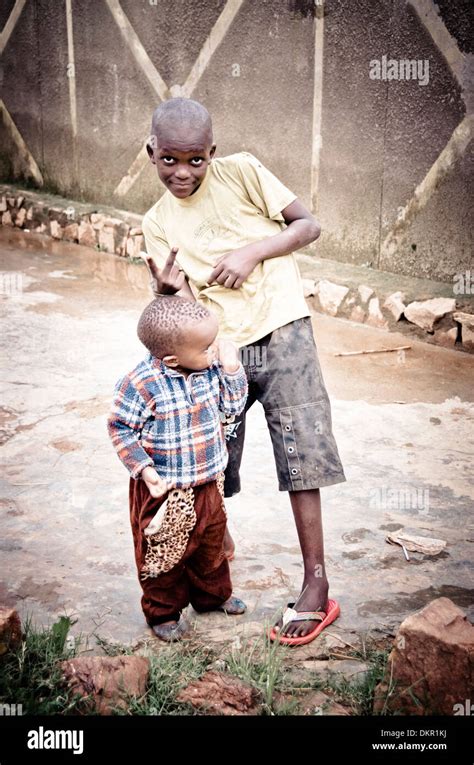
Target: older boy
pixel 236 226
pixel 166 428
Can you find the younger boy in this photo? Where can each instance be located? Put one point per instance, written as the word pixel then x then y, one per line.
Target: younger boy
pixel 166 427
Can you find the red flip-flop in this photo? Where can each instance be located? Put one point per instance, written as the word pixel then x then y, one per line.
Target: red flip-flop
pixel 324 618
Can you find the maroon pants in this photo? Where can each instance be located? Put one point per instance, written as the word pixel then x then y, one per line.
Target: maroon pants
pixel 202 576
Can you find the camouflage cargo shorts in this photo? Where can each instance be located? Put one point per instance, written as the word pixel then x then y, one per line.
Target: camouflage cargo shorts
pixel 284 374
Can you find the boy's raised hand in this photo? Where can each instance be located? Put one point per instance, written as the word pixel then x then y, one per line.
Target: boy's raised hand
pixel 156 485
pixel 170 279
pixel 232 269
pixel 228 355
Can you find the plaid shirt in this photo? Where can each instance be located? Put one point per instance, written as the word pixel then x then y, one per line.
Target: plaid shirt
pixel 162 419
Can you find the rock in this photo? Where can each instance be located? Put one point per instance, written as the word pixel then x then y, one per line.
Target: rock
pixel 113 222
pixel 108 680
pixel 86 234
pixel 330 295
pixel 309 287
pixel 3 204
pixel 136 231
pixel 97 221
pixel 425 545
pixel 11 201
pixel 121 236
pixel 394 303
pixel 466 320
pixel 10 629
pixel 426 312
pixel 71 232
pixel 133 246
pixel 20 217
pixel 432 660
pixel 107 239
pixel 56 229
pixel 365 292
pixel 29 214
pixel 219 694
pixel 375 317
pixel 319 703
pixel 467 338
pixel 7 219
pixel 357 314
pixel 446 337
pixel 19 201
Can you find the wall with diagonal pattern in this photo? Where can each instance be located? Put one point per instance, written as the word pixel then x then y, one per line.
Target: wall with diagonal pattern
pixel 386 164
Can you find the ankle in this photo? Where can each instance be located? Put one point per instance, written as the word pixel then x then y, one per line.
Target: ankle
pixel 315 582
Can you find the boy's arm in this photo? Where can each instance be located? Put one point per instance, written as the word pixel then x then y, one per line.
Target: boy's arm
pixel 233 385
pixel 124 424
pixel 302 228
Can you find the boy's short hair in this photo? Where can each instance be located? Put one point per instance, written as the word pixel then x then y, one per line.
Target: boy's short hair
pixel 180 111
pixel 162 325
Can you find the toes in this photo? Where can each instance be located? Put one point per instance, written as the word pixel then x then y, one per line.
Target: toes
pixel 296 629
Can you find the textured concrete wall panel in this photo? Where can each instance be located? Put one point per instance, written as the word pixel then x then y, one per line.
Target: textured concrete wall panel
pixel 379 138
pixel 353 130
pixel 267 109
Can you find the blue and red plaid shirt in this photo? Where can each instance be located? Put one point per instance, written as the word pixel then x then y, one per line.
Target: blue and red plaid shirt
pixel 162 419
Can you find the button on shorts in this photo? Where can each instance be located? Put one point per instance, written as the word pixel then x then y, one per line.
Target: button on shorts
pixel 284 374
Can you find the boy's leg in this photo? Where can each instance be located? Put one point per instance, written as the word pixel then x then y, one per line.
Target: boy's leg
pixel 298 414
pixel 166 595
pixel 235 437
pixel 306 506
pixel 207 567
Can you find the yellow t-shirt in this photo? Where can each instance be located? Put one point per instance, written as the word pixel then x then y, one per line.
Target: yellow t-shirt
pixel 238 202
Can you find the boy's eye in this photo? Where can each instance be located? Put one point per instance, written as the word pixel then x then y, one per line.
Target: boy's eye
pixel 197 161
pixel 168 160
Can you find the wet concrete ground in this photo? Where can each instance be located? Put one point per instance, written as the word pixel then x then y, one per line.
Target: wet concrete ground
pixel 403 423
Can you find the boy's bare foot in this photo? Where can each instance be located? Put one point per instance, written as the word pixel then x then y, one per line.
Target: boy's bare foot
pixel 170 631
pixel 229 545
pixel 313 597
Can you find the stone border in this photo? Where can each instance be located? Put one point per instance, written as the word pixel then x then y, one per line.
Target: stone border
pixel 106 230
pixel 437 320
pixel 441 320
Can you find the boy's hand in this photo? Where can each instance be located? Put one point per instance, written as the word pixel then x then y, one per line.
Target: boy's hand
pixel 156 485
pixel 170 279
pixel 232 269
pixel 228 355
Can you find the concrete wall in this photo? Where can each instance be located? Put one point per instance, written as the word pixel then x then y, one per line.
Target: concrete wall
pixel 386 165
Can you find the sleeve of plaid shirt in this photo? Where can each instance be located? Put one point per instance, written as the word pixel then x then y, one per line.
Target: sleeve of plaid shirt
pixel 129 414
pixel 233 390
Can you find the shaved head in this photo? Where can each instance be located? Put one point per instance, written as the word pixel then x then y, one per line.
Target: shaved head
pixel 163 323
pixel 179 116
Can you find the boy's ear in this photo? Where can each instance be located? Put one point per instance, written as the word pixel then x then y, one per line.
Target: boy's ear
pixel 150 149
pixel 170 361
pixel 213 150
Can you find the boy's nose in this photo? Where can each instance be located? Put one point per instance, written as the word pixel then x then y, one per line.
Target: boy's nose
pixel 182 174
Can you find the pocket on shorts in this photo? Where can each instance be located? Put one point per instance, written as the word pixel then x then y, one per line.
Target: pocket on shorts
pixel 308 455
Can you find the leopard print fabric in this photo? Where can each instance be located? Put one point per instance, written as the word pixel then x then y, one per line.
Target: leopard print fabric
pixel 220 487
pixel 167 546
